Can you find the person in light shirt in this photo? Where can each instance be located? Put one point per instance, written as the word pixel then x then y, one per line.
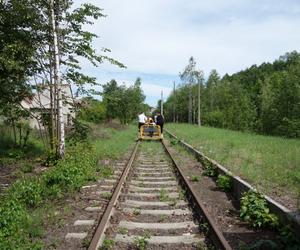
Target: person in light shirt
pixel 142 119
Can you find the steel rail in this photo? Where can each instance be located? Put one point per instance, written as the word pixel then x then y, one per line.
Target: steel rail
pixel 214 233
pixel 98 236
pixel 240 186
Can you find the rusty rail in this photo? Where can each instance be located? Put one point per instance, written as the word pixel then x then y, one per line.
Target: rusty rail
pixel 214 233
pixel 99 233
pixel 240 186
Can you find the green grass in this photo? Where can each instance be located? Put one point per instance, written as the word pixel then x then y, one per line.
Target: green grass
pixel 267 162
pixel 115 142
pixel 20 218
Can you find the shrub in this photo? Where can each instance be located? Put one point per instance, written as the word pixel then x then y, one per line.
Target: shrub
pixel 254 209
pixel 73 171
pixel 174 142
pixel 225 183
pixel 17 227
pixel 79 133
pixel 209 169
pixel 27 191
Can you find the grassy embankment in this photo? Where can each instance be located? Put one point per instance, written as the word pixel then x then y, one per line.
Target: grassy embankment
pixel 26 205
pixel 272 164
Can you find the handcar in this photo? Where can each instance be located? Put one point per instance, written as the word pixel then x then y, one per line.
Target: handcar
pixel 150 132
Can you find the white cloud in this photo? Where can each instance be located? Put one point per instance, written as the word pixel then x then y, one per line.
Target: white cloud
pixel 159 36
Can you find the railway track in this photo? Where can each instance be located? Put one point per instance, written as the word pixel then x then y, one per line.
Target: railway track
pixel 153 207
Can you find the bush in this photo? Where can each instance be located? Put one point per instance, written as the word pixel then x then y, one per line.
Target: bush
pixel 225 183
pixel 28 192
pixel 209 169
pixel 254 209
pixel 17 227
pixel 73 171
pixel 79 133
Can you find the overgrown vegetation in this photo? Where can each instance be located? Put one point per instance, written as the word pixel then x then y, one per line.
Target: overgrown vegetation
pixel 195 178
pixel 225 183
pixel 29 193
pixel 209 169
pixel 254 209
pixel 68 175
pixel 268 162
pixel 141 242
pixel 108 244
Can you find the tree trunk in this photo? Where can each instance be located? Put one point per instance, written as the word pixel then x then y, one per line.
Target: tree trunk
pixel 52 105
pixel 174 104
pixel 14 131
pixel 190 104
pixel 57 82
pixel 199 104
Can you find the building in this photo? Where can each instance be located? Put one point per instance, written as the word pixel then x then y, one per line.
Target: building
pixel 39 106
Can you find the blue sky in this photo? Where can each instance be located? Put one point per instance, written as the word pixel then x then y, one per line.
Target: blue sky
pixel 155 38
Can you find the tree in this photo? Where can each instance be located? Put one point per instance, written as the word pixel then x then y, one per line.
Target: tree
pixel 32 26
pixel 92 110
pixel 191 76
pixel 122 102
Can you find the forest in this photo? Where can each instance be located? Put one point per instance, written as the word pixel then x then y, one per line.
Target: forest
pixel 264 99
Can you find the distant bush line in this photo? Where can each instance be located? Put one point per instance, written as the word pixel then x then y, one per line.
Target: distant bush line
pixel 264 99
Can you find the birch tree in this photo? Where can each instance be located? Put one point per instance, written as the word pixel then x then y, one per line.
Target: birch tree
pixel 191 76
pixel 53 33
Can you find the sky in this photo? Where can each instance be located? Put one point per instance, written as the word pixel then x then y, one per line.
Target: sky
pixel 155 38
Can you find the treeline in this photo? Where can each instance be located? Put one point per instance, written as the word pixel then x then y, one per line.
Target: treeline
pixel 118 102
pixel 42 44
pixel 263 99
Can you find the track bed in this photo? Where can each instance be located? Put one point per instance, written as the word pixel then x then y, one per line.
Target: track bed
pixel 151 209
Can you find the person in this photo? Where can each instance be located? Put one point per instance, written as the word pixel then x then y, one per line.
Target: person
pixel 142 119
pixel 160 121
pixel 151 128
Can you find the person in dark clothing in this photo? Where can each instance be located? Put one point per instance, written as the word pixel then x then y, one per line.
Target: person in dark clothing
pixel 160 121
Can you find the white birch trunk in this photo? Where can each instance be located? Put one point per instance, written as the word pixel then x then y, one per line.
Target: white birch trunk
pixel 57 82
pixel 190 104
pixel 199 105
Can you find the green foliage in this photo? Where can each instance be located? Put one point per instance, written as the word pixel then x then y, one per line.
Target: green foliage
pixel 263 99
pixel 74 170
pixel 195 178
pixel 163 195
pixel 17 227
pixel 174 142
pixel 122 102
pixel 28 192
pixel 225 183
pixel 254 209
pixel 136 211
pixel 92 110
pixel 107 244
pixel 108 148
pixel 209 170
pixel 80 132
pixel 270 162
pixel 106 171
pixel 141 242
